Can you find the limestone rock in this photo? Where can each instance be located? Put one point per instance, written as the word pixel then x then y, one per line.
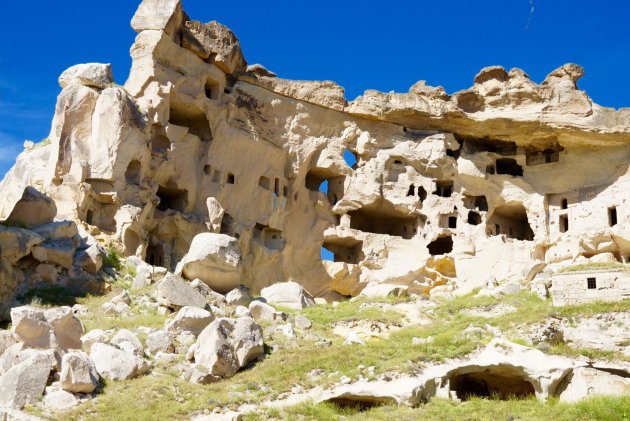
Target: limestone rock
pixel 174 292
pixel 60 400
pixel 163 15
pixel 213 298
pixel 59 252
pixel 128 341
pixel 288 294
pixel 264 312
pixel 94 75
pixel 53 328
pixel 24 383
pixel 214 41
pixel 78 373
pixel 160 341
pixel 33 209
pixel 376 290
pixel 239 297
pixel 584 382
pixel 215 259
pixel 227 345
pixel 190 319
pixel 16 243
pixel 116 364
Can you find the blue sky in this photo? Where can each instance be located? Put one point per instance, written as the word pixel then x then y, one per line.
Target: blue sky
pixel 361 45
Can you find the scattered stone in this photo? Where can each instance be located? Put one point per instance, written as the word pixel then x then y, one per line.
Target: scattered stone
pixel 160 342
pixel 78 373
pixel 24 383
pixel 190 319
pixel 264 312
pixel 128 341
pixel 239 297
pixel 174 292
pixel 288 294
pixel 33 209
pixel 94 75
pixel 380 290
pixel 227 345
pixel 60 400
pixel 302 322
pixel 353 338
pixel 116 364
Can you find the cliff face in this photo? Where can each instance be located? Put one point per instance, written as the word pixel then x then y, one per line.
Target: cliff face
pixel 503 179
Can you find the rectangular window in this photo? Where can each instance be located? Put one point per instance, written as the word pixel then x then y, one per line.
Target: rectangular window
pixel 591 283
pixel 612 216
pixel 452 222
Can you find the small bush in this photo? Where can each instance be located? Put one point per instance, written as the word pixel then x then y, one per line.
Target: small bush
pixel 112 259
pixel 13 224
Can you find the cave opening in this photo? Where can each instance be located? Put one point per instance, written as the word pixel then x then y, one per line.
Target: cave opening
pixel 384 219
pixel 509 166
pixel 132 174
pixel 444 188
pixel 193 118
pixel 345 249
pixel 503 384
pixel 271 238
pixel 160 144
pixel 441 245
pixel 326 181
pixel 172 198
pixel 512 221
pixel 155 255
pixel 474 218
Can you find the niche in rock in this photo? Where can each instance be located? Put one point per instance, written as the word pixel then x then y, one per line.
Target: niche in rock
pixel 160 144
pixel 155 255
pixel 474 218
pixel 346 249
pixel 172 197
pixel 383 218
pixel 395 167
pixel 510 220
pixel 474 145
pixel 271 238
pixel 132 174
pixel 443 188
pixel 441 245
pixel 326 181
pixel 212 89
pixel 509 166
pixel 185 115
pixel 503 383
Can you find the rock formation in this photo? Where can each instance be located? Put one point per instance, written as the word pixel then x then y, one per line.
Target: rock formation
pixel 504 179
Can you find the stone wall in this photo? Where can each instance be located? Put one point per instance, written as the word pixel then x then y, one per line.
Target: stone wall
pixel 582 287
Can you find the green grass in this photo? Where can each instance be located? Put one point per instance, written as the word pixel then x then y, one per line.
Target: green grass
pixel 288 362
pixel 595 266
pixel 596 408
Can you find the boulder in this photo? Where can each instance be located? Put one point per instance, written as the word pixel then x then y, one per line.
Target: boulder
pixel 128 341
pixel 93 75
pixel 90 259
pixel 29 326
pixel 160 15
pixel 160 341
pixel 378 290
pixel 58 252
pixel 264 312
pixel 116 364
pixel 66 327
pixel 123 297
pixel 24 383
pixel 216 41
pixel 212 297
pixel 94 336
pixel 78 373
pixel 174 292
pixel 190 319
pixel 239 296
pixel 227 345
pixel 402 391
pixel 6 340
pixel 288 294
pixel 214 259
pixel 57 230
pixel 16 243
pixel 60 400
pixel 33 209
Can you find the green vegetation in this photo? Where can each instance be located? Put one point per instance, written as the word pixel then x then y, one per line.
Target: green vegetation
pixel 13 224
pixel 48 296
pixel 596 266
pixel 288 363
pixel 596 408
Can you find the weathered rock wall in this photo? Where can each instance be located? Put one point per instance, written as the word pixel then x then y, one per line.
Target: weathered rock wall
pixel 497 180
